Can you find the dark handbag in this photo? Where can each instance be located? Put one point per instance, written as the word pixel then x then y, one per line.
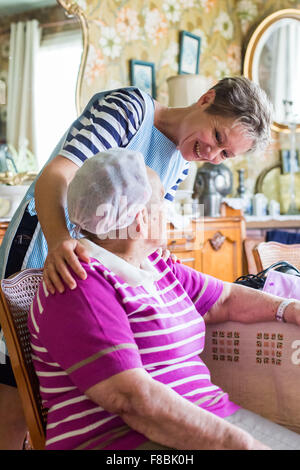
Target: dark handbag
pixel 257 281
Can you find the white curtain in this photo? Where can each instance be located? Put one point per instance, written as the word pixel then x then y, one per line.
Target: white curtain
pixel 58 63
pixel 24 44
pixel 285 68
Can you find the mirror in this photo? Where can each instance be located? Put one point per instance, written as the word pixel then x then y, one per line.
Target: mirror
pixel 272 60
pixel 26 97
pixel 72 8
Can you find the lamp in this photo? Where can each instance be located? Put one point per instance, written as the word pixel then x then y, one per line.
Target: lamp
pixel 212 183
pixel 186 89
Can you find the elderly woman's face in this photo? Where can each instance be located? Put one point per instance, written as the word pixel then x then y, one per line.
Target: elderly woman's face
pixel 208 138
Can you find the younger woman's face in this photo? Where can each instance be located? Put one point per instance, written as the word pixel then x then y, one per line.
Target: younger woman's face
pixel 209 138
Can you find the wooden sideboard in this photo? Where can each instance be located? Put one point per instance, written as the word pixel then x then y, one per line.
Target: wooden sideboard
pixel 213 246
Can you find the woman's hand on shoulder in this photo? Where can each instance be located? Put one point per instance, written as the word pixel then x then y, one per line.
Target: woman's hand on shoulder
pixel 63 255
pixel 166 254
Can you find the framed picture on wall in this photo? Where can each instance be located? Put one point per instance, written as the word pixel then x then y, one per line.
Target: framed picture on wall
pixel 189 55
pixel 142 75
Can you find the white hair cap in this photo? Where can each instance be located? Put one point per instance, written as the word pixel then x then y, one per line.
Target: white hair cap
pixel 108 191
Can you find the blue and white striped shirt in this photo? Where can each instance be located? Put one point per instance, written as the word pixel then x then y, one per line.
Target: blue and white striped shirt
pixel 110 121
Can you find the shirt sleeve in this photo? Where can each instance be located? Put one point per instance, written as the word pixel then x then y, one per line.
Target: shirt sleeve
pixel 108 122
pixel 203 290
pixel 170 194
pixel 86 331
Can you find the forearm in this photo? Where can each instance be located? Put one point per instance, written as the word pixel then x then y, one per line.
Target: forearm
pixel 50 209
pixel 176 423
pixel 163 416
pixel 247 305
pixel 50 200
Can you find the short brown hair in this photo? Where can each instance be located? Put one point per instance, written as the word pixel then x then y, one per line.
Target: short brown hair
pixel 244 100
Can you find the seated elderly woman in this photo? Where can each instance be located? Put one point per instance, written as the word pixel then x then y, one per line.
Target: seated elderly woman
pixel 118 357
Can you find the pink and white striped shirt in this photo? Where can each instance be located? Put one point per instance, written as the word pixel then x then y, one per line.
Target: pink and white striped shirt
pixel 106 326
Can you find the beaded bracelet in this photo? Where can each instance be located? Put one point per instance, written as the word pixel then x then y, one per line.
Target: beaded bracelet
pixel 281 309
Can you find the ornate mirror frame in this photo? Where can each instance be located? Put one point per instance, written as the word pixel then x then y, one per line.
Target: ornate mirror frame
pixel 252 45
pixel 72 9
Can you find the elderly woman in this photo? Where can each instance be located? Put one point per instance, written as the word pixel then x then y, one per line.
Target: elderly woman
pixel 118 356
pixel 230 119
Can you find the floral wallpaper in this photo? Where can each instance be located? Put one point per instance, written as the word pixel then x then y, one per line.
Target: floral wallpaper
pixel 121 30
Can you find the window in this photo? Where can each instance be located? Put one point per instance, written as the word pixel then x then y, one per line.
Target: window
pixel 55 84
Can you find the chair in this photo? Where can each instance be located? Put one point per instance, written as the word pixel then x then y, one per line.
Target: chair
pixel 258 366
pixel 251 256
pixel 16 295
pixel 271 252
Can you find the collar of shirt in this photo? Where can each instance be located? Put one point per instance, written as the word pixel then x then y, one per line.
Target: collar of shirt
pixel 133 276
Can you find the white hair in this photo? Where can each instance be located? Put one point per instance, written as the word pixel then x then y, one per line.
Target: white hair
pixel 249 106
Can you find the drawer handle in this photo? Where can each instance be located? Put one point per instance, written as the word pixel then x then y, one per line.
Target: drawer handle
pixel 186 259
pixel 182 241
pixel 217 241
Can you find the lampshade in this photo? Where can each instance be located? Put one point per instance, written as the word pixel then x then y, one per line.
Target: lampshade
pixel 187 89
pixel 183 91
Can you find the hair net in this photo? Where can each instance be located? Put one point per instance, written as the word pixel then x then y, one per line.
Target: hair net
pixel 108 191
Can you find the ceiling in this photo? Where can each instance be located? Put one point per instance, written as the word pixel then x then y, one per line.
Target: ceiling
pixel 12 7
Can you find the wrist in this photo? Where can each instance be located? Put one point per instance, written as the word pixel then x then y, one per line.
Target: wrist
pixel 292 313
pixel 238 439
pixel 53 242
pixel 288 311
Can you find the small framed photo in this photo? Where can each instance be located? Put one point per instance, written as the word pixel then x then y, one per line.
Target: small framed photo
pixel 142 75
pixel 189 55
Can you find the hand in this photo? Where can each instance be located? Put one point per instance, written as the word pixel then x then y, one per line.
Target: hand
pixel 257 445
pixel 244 441
pixel 65 253
pixel 166 254
pixel 254 444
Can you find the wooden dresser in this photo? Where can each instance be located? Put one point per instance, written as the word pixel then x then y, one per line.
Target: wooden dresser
pixel 213 246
